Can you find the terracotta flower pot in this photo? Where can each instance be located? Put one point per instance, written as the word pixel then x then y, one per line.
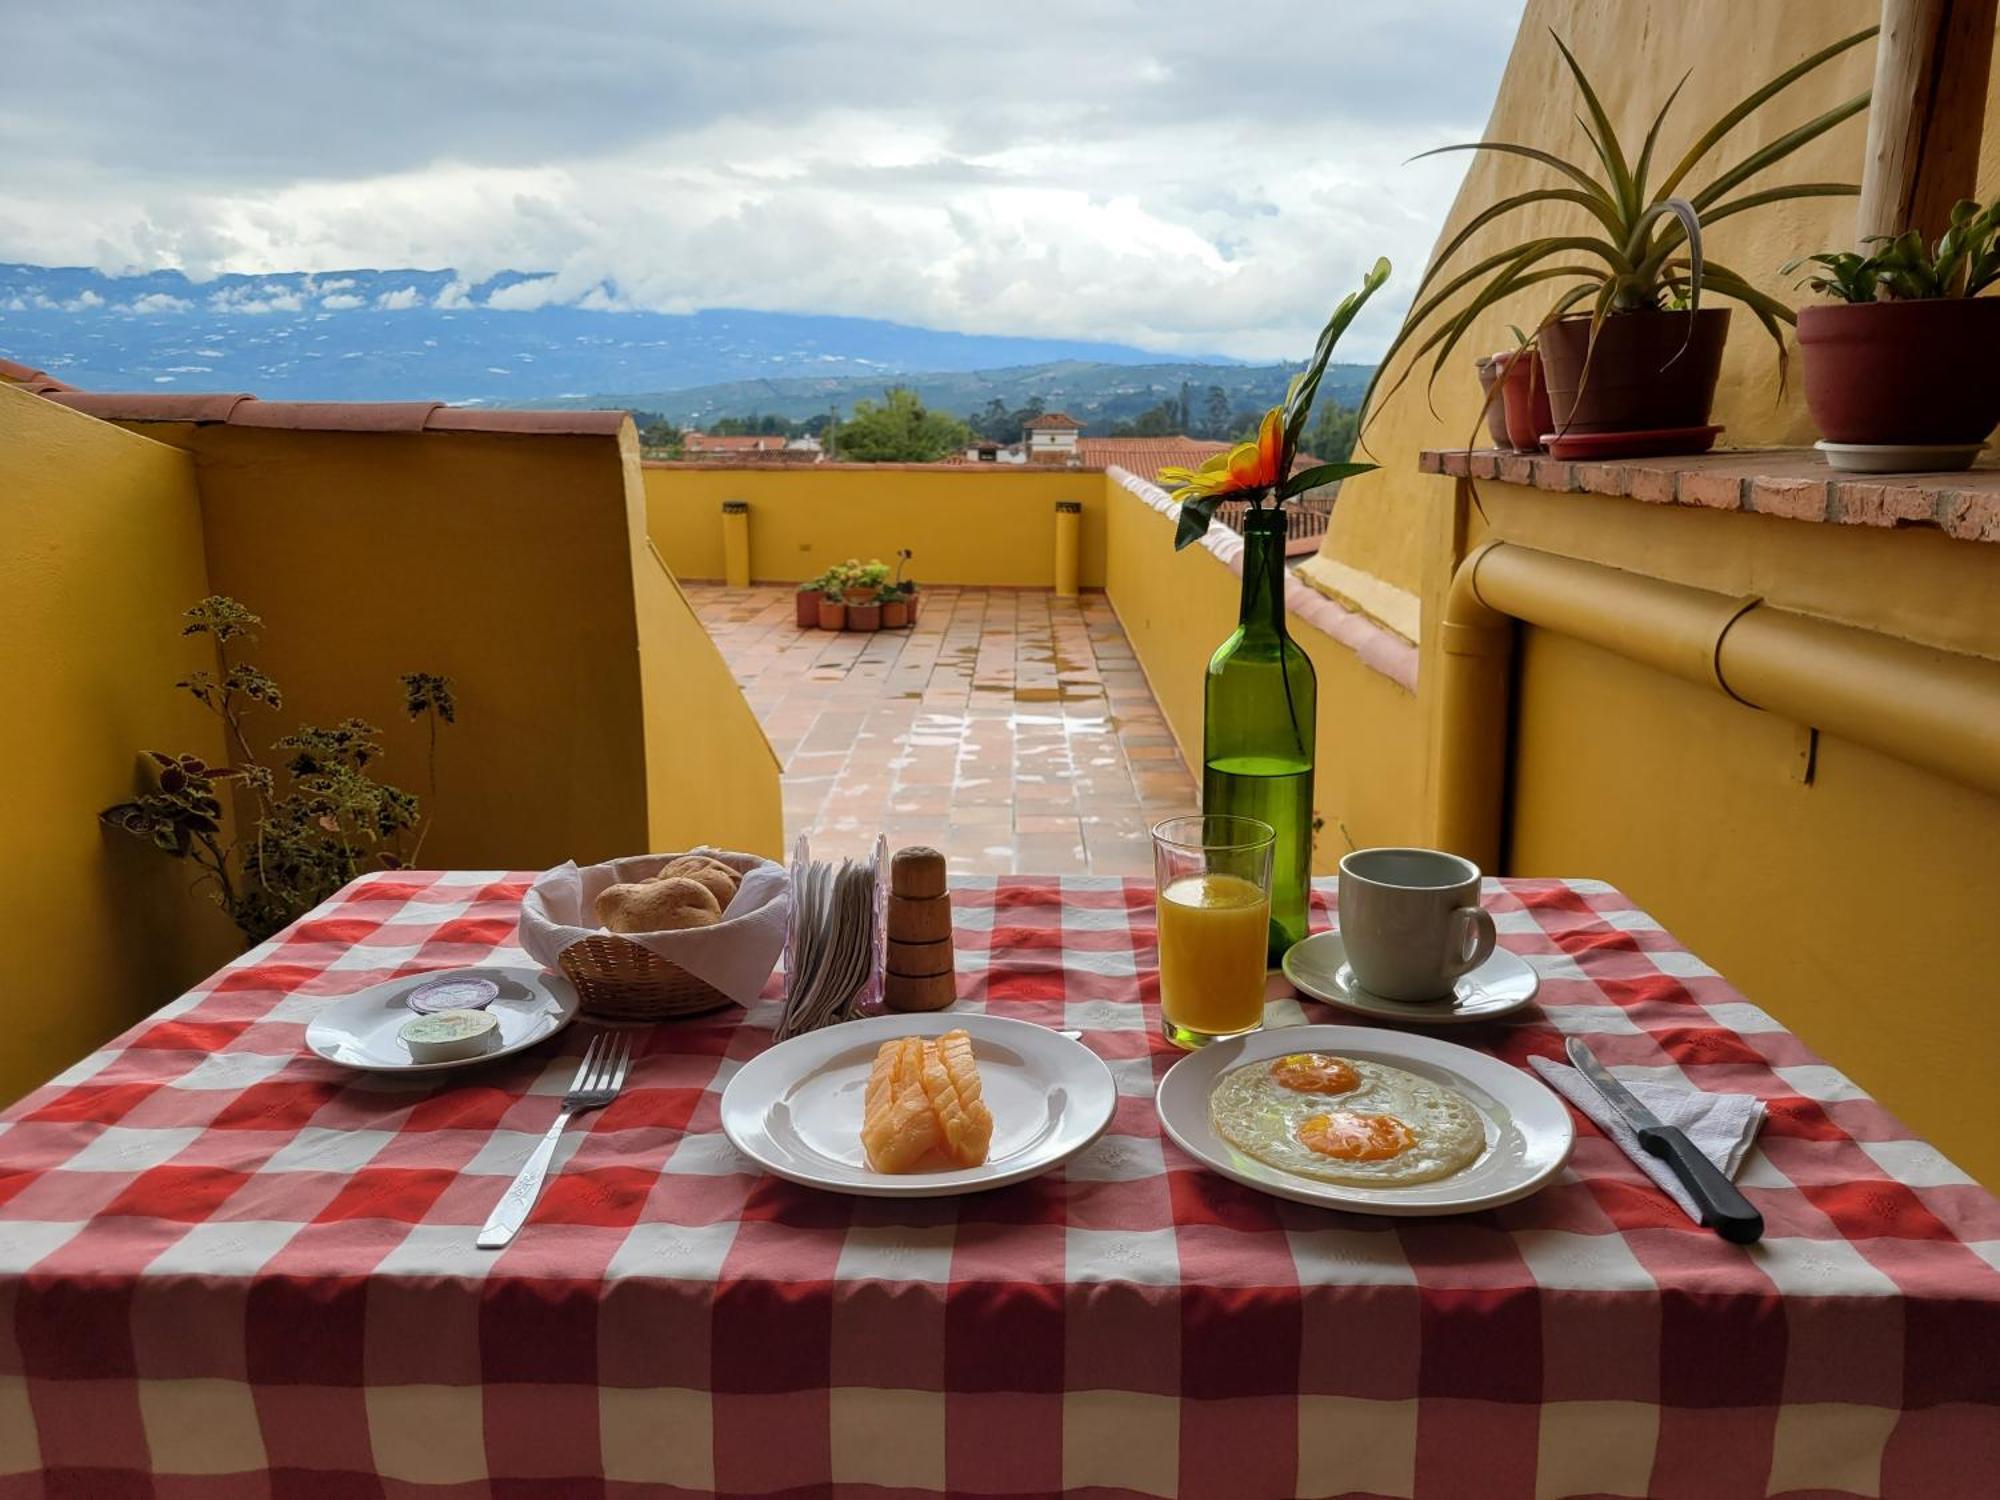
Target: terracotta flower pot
pixel 1649 371
pixel 1525 397
pixel 1902 372
pixel 1495 410
pixel 832 614
pixel 895 614
pixel 805 605
pixel 916 606
pixel 864 616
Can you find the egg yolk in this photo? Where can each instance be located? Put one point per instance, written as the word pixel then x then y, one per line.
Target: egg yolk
pixel 1315 1073
pixel 1347 1136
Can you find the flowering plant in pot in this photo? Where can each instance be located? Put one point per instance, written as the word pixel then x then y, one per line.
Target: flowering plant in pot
pixel 833 607
pixel 895 606
pixel 906 589
pixel 1890 361
pixel 805 603
pixel 1630 352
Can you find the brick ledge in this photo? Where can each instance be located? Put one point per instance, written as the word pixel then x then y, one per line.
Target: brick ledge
pixel 1793 484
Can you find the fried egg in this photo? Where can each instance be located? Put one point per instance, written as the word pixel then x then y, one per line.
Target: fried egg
pixel 1384 1128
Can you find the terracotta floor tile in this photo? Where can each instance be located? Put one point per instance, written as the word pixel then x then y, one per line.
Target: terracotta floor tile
pixel 1010 729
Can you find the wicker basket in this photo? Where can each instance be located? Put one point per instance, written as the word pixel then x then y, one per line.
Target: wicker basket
pixel 620 981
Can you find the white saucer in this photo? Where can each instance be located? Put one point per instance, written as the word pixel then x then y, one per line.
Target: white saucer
pixel 1899 458
pixel 1498 987
pixel 359 1030
pixel 1528 1128
pixel 795 1109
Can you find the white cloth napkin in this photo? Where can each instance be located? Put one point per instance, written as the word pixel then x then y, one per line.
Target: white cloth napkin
pixel 736 955
pixel 1722 1126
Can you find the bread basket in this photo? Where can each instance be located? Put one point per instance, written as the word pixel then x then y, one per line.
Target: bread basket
pixel 657 976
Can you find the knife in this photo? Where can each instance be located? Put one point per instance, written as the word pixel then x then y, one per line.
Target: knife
pixel 1723 1208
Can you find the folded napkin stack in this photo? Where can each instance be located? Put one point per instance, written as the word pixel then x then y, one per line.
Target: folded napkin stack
pixel 1722 1126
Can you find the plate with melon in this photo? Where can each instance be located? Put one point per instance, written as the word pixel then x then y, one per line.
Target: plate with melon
pixel 918 1106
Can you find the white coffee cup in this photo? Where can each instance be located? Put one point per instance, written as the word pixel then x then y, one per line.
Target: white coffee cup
pixel 1411 922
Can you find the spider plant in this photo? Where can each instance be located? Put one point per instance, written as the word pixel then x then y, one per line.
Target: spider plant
pixel 1642 249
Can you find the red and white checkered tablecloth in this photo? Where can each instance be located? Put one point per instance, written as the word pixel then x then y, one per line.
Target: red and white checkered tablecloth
pixel 228 1269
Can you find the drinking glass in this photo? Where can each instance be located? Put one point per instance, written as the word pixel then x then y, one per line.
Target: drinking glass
pixel 1212 888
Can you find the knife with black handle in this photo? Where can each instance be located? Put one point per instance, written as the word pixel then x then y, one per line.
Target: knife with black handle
pixel 1723 1208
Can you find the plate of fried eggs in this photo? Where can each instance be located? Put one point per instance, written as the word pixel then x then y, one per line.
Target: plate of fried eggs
pixel 1367 1120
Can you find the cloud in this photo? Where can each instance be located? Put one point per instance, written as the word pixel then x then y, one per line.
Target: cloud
pixel 1120 175
pixel 341 302
pixel 400 300
pixel 156 302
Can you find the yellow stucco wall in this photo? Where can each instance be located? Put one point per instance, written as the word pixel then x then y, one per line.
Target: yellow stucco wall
pixel 993 525
pixel 103 551
pixel 1177 607
pixel 515 565
pixel 711 775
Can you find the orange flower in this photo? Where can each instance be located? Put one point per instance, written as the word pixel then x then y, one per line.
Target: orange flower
pixel 1255 465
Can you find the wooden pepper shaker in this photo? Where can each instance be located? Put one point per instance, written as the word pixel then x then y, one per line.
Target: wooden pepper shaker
pixel 920 971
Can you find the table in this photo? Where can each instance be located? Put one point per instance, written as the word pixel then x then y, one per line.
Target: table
pixel 229 1269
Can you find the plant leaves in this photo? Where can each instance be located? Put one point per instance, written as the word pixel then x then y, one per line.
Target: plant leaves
pixel 1313 478
pixel 1194 519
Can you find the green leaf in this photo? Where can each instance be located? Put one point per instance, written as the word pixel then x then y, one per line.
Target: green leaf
pixel 1776 151
pixel 1194 519
pixel 1488 215
pixel 1756 100
pixel 1313 478
pixel 1602 203
pixel 1645 163
pixel 1604 138
pixel 1304 387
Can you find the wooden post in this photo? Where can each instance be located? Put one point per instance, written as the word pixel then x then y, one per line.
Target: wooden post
pixel 1932 61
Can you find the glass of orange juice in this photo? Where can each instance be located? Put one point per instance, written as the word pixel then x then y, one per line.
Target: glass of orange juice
pixel 1212 885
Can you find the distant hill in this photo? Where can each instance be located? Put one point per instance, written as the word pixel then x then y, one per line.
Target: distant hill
pixel 428 335
pixel 1097 393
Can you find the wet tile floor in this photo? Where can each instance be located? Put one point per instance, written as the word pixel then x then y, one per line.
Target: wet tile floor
pixel 1011 729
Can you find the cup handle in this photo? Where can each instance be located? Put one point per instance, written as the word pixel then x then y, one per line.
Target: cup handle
pixel 1471 928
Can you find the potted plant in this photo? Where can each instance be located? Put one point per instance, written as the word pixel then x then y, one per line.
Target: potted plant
pixel 1892 362
pixel 895 606
pixel 1491 402
pixel 907 587
pixel 1524 395
pixel 1631 354
pixel 832 608
pixel 805 603
pixel 864 607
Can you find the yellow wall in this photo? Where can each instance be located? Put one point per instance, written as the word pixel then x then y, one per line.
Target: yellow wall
pixel 103 551
pixel 515 565
pixel 991 525
pixel 712 777
pixel 1177 607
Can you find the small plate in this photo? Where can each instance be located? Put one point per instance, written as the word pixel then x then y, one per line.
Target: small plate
pixel 1899 458
pixel 359 1030
pixel 1654 442
pixel 795 1109
pixel 1498 987
pixel 1528 1129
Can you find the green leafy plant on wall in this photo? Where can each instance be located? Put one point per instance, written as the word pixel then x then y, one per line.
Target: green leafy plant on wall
pixel 1963 263
pixel 312 813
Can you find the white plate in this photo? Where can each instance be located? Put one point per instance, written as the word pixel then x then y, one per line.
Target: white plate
pixel 359 1030
pixel 795 1110
pixel 1899 458
pixel 1498 987
pixel 1528 1130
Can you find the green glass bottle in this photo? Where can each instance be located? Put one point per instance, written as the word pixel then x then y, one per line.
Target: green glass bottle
pixel 1258 718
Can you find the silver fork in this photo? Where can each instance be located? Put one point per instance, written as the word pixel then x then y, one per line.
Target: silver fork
pixel 598 1079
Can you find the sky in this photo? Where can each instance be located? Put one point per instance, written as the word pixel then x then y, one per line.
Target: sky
pixel 1196 178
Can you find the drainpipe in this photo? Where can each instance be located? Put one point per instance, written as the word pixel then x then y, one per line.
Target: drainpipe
pixel 736 543
pixel 1934 709
pixel 1069 526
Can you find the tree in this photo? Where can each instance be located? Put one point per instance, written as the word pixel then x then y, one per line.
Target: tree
pixel 1215 413
pixel 898 429
pixel 660 438
pixel 1163 420
pixel 750 426
pixel 1331 437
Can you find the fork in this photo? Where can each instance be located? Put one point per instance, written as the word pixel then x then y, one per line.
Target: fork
pixel 599 1077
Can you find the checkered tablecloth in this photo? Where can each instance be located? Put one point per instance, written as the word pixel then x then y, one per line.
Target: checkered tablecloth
pixel 228 1269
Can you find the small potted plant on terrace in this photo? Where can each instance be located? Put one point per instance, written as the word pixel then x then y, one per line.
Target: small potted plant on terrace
pixel 895 606
pixel 805 603
pixel 1630 352
pixel 833 605
pixel 1893 365
pixel 905 590
pixel 1492 404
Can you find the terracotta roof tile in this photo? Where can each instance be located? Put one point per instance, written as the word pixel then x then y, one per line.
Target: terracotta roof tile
pixel 238 410
pixel 148 406
pixel 1050 419
pixel 573 423
pixel 38 382
pixel 335 416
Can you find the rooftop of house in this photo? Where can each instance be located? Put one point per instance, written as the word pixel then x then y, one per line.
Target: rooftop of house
pixel 1055 421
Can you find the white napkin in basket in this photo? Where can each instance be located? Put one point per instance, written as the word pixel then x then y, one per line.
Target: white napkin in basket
pixel 736 955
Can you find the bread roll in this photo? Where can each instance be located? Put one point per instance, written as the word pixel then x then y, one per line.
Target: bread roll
pixel 663 905
pixel 720 880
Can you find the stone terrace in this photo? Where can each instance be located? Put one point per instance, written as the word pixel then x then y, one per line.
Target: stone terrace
pixel 1011 729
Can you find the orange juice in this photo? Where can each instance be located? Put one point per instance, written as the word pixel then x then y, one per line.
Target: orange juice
pixel 1214 929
